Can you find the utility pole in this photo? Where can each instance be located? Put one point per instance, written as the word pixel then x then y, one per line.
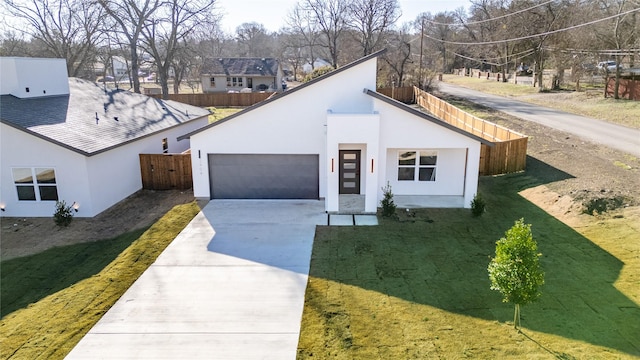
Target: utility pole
pixel 421 41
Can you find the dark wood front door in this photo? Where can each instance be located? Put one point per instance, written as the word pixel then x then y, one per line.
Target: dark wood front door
pixel 349 171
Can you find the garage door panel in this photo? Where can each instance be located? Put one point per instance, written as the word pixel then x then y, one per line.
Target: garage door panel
pixel 264 176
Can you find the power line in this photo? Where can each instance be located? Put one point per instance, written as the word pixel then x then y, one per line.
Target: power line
pixel 492 19
pixel 532 36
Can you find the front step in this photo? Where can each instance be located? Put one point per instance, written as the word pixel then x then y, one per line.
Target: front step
pixel 351 220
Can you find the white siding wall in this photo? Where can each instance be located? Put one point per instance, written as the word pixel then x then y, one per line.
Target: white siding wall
pixel 295 124
pixel 95 182
pixel 43 77
pixel 20 149
pixel 221 84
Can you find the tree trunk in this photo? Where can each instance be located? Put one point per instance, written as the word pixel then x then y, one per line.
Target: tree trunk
pixel 516 317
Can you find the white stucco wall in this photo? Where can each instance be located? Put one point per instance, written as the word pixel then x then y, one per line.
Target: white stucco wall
pixel 42 77
pixel 458 155
pixel 353 132
pixel 95 182
pixel 21 150
pixel 295 124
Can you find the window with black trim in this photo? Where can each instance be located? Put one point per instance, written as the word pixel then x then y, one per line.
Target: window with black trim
pixel 165 145
pixel 35 184
pixel 212 82
pixel 417 165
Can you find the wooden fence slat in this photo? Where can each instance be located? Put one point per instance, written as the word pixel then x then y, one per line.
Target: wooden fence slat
pixel 509 152
pixel 166 171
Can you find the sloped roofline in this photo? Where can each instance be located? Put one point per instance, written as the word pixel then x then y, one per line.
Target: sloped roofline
pixel 282 95
pixel 97 152
pixel 425 116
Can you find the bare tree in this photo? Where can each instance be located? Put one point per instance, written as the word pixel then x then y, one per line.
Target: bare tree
pixel 620 34
pixel 398 57
pixel 371 18
pixel 169 28
pixel 68 29
pixel 331 17
pixel 131 15
pixel 305 32
pixel 253 40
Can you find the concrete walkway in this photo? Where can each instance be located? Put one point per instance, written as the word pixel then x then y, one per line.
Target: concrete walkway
pixel 230 286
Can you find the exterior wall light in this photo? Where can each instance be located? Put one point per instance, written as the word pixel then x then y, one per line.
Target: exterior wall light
pixel 75 206
pixel 2 206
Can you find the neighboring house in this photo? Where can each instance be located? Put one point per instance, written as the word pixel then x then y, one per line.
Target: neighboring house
pixel 69 139
pixel 336 136
pixel 242 74
pixel 120 68
pixel 318 63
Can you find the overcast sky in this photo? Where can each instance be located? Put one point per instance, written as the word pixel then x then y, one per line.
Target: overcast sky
pixel 271 13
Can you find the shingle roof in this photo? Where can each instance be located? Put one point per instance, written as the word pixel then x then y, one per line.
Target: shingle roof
pixel 85 121
pixel 242 66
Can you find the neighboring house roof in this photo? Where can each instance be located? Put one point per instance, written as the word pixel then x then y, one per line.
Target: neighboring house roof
pixel 85 121
pixel 242 66
pixel 286 93
pixel 376 95
pixel 425 116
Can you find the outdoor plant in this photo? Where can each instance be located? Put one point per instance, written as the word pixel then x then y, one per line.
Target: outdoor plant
pixel 63 214
pixel 515 270
pixel 388 206
pixel 477 205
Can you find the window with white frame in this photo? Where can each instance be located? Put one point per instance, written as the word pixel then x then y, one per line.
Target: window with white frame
pixel 234 81
pixel 35 184
pixel 212 82
pixel 417 165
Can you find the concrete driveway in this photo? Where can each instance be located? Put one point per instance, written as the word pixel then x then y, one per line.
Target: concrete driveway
pixel 230 286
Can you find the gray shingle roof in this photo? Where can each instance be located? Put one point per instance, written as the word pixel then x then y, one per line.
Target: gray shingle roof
pixel 242 66
pixel 70 121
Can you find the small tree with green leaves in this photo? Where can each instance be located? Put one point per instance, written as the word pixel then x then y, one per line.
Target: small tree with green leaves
pixel 515 270
pixel 64 214
pixel 388 206
pixel 477 205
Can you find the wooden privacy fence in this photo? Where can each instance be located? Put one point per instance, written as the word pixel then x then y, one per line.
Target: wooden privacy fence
pixel 166 171
pixel 509 153
pixel 403 94
pixel 219 99
pixel 628 88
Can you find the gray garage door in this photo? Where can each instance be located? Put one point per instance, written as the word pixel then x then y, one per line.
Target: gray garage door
pixel 263 176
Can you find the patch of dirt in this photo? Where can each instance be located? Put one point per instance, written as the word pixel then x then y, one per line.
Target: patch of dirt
pixel 27 236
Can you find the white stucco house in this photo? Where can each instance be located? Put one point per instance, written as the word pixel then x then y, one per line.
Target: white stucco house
pixel 242 74
pixel 69 139
pixel 336 136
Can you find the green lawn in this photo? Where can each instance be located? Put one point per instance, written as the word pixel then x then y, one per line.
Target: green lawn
pixel 419 288
pixel 50 300
pixel 218 113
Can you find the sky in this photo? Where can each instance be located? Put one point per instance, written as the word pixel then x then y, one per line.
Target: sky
pixel 272 13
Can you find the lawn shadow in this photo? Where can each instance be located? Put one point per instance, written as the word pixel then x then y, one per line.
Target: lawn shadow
pixel 443 263
pixel 29 279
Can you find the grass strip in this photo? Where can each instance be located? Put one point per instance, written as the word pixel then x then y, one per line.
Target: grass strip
pixel 86 280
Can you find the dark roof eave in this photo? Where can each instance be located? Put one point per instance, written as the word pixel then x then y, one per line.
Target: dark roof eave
pixel 425 116
pixel 281 95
